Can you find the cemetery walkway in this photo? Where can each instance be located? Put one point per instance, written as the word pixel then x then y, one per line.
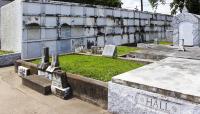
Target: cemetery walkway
pixel 18 99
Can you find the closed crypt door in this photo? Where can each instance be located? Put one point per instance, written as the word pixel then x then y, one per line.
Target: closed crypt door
pixel 185 32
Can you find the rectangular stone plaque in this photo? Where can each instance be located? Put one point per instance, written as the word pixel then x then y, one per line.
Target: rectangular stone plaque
pixel 109 51
pixel 41 73
pixel 56 81
pixel 23 71
pixel 157 104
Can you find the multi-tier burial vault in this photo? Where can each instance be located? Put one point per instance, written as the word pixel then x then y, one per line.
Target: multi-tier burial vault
pixel 29 26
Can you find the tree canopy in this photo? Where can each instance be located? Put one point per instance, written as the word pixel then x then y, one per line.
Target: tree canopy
pixel 110 3
pixel 193 6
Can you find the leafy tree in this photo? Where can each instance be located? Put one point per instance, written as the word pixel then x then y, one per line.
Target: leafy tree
pixel 110 3
pixel 193 6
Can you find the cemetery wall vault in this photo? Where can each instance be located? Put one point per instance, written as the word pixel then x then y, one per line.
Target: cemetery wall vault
pixel 186 26
pixel 63 26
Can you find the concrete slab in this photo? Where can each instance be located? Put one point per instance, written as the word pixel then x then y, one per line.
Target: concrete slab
pixel 170 51
pixel 174 77
pixel 18 99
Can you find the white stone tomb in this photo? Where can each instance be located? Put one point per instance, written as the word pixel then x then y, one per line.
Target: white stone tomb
pixel 186 27
pixel 170 86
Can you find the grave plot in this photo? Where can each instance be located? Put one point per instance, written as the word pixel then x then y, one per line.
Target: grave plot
pixel 93 79
pixel 144 56
pixel 85 75
pixel 95 50
pixel 96 67
pixel 149 52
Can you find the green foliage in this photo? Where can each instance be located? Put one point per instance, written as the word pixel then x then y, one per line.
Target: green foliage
pixel 4 52
pixel 193 6
pixel 110 3
pixel 165 43
pixel 96 67
pixel 122 50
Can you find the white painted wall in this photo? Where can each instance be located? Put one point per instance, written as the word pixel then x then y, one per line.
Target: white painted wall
pixel 11 26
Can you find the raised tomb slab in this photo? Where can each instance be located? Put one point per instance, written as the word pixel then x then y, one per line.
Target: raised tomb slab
pixel 170 86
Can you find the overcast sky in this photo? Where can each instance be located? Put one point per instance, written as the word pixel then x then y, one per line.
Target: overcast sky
pixel 131 4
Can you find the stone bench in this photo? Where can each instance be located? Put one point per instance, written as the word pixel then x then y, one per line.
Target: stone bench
pixel 37 83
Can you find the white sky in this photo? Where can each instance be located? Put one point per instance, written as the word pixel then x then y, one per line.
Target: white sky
pixel 131 4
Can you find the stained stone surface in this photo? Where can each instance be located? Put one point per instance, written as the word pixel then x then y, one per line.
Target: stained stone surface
pixel 109 51
pixel 31 32
pixel 169 86
pixel 9 59
pixel 127 100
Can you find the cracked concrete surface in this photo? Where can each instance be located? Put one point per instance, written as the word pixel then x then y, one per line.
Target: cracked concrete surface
pixel 18 99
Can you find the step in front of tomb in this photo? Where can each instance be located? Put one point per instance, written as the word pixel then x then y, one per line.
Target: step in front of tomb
pixel 38 83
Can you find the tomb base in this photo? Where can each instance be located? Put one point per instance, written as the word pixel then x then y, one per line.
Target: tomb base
pixel 63 93
pixel 127 100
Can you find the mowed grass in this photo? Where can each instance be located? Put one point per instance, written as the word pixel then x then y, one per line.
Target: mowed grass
pixel 160 42
pixel 4 52
pixel 165 43
pixel 96 67
pixel 122 50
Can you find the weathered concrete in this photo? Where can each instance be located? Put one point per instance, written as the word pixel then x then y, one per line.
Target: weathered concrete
pixel 167 86
pixel 170 51
pixel 38 83
pixel 11 16
pixel 90 90
pixel 2 3
pixel 9 59
pixel 18 99
pixel 65 26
